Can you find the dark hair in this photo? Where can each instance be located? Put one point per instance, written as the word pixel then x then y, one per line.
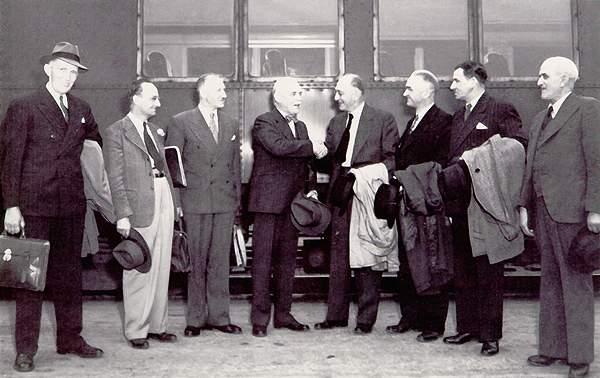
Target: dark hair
pixel 473 69
pixel 135 88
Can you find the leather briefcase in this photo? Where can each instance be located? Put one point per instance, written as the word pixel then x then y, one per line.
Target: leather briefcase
pixel 23 262
pixel 180 255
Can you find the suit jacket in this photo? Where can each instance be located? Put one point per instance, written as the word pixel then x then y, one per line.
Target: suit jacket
pixel 212 168
pixel 41 170
pixel 429 141
pixel 281 163
pixel 567 156
pixel 376 140
pixel 130 172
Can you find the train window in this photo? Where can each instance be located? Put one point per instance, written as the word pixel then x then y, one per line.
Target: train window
pixel 186 38
pixel 292 38
pixel 519 34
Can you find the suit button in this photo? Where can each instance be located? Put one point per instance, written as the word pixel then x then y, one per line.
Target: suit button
pixel 477 170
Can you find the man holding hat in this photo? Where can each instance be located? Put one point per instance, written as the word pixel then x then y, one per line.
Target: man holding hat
pixel 42 188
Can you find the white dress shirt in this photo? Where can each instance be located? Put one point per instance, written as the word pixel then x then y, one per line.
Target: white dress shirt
pixel 356 113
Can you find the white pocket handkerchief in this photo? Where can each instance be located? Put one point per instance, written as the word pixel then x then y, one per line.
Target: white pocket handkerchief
pixel 480 126
pixel 233 138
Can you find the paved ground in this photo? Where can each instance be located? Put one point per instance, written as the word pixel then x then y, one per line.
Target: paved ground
pixel 335 353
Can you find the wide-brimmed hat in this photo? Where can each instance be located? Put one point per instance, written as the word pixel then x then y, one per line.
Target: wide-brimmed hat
pixel 341 191
pixel 133 253
pixel 309 216
pixel 387 202
pixel 66 52
pixel 584 253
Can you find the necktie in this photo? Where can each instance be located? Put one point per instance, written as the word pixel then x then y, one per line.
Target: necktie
pixel 158 161
pixel 214 128
pixel 291 118
pixel 548 117
pixel 468 111
pixel 63 108
pixel 340 153
pixel 413 125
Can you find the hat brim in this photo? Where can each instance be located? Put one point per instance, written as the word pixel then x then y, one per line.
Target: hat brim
pixel 325 219
pixel 47 58
pixel 138 239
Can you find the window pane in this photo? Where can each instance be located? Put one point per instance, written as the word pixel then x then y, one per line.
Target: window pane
pixel 188 38
pixel 293 38
pixel 519 34
pixel 422 34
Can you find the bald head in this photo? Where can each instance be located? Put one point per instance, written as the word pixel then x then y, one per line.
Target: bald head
pixel 287 95
pixel 557 77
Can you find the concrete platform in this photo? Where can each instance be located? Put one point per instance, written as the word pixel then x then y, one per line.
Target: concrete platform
pixel 283 353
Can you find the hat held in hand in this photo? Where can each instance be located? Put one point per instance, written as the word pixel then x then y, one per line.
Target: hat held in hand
pixel 133 253
pixel 310 216
pixel 584 253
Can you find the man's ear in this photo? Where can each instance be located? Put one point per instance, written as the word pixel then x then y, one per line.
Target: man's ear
pixel 47 69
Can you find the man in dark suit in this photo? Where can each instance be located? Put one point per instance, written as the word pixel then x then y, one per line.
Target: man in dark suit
pixel 478 284
pixel 359 135
pixel 42 187
pixel 282 152
pixel 561 184
pixel 426 138
pixel 142 194
pixel 210 148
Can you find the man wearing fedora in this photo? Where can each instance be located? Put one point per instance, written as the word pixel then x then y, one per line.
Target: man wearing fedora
pixel 142 193
pixel 42 187
pixel 562 178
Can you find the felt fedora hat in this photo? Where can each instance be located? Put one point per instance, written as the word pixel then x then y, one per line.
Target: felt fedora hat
pixel 309 216
pixel 66 52
pixel 584 253
pixel 386 204
pixel 133 253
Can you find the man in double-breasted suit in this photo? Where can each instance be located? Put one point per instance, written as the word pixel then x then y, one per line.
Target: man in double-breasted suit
pixel 210 148
pixel 561 184
pixel 426 138
pixel 282 152
pixel 42 187
pixel 142 194
pixel 479 284
pixel 359 135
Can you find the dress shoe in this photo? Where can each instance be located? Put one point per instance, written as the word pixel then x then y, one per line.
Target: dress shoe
pixel 459 338
pixel 363 329
pixel 541 360
pixel 84 350
pixel 489 348
pixel 190 331
pixel 163 337
pixel 398 328
pixel 259 331
pixel 427 336
pixel 328 324
pixel 227 328
pixel 578 370
pixel 139 343
pixel 292 324
pixel 23 362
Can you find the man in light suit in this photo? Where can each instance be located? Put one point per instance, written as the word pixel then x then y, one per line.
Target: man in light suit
pixel 142 197
pixel 359 135
pixel 426 138
pixel 479 284
pixel 42 188
pixel 210 148
pixel 282 152
pixel 561 184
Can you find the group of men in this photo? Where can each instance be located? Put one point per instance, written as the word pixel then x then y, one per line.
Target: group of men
pixel 42 189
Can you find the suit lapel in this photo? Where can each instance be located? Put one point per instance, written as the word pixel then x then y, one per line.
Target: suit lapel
pixel 362 133
pixel 464 128
pixel 198 127
pixel 49 108
pixel 132 134
pixel 283 125
pixel 409 138
pixel 565 112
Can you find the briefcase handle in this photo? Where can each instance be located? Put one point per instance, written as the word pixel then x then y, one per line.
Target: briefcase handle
pixel 21 234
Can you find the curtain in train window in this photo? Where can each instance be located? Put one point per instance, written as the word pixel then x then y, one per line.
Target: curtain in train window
pixel 421 34
pixel 296 38
pixel 186 38
pixel 519 34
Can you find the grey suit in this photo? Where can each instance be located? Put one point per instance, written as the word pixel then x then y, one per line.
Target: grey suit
pixel 210 202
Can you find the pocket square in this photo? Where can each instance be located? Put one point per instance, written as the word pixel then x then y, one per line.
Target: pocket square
pixel 481 126
pixel 233 138
pixel 82 119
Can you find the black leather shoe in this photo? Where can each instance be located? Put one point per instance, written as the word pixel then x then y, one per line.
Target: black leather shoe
pixel 398 328
pixel 541 360
pixel 489 348
pixel 23 363
pixel 428 336
pixel 328 324
pixel 578 370
pixel 259 331
pixel 293 325
pixel 163 337
pixel 227 328
pixel 458 339
pixel 190 331
pixel 363 329
pixel 84 350
pixel 139 343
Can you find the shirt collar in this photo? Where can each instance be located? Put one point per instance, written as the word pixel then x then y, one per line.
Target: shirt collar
pixel 474 101
pixel 357 112
pixel 56 96
pixel 556 106
pixel 206 112
pixel 422 113
pixel 137 121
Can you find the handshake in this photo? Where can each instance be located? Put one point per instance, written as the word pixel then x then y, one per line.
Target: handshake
pixel 319 149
